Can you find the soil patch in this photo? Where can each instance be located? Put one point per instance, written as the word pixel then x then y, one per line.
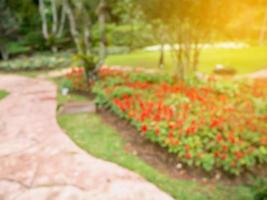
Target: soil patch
pixel 168 163
pixel 77 107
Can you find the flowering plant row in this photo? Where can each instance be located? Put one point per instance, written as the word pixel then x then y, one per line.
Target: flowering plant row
pixel 208 124
pixel 78 79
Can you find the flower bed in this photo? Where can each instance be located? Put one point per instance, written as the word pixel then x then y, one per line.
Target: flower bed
pixel 208 124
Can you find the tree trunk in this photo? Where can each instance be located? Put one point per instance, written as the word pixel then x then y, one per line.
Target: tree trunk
pixel 44 21
pixel 55 17
pixel 86 38
pixel 263 30
pixel 73 27
pixel 62 22
pixel 196 54
pixel 161 38
pixel 161 58
pixel 195 59
pixel 102 24
pixel 187 53
pixel 180 53
pixel 4 53
pixel 87 33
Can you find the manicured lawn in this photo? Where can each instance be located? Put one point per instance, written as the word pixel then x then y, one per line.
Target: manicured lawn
pixel 104 142
pixel 3 94
pixel 243 60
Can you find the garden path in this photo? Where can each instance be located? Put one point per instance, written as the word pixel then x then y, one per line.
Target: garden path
pixel 259 74
pixel 39 161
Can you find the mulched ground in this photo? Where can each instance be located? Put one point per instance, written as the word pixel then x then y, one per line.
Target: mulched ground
pixel 168 163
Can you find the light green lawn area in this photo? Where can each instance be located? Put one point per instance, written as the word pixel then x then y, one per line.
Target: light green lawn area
pixel 246 60
pixel 105 143
pixel 3 94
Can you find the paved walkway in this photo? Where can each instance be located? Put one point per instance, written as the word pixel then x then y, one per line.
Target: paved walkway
pixel 39 162
pixel 261 74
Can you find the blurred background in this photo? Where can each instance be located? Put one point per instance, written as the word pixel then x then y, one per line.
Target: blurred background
pixel 188 35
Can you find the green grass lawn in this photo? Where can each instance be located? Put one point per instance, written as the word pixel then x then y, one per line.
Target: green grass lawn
pixel 3 94
pixel 105 143
pixel 243 60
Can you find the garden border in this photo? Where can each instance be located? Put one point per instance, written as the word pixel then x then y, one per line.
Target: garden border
pixel 144 148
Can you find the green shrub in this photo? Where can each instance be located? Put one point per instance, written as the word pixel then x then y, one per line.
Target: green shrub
pixel 36 62
pixel 260 189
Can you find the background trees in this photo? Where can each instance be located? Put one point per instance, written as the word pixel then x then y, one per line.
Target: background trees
pixel 187 24
pixel 53 18
pixel 8 25
pixel 15 20
pixel 92 26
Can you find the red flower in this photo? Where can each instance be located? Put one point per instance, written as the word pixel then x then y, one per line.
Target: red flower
pixel 171 134
pixel 157 132
pixel 171 125
pixel 174 141
pixel 238 155
pixel 187 147
pixel 144 128
pixel 157 117
pixel 232 139
pixel 214 123
pixel 219 138
pixel 225 148
pixel 216 154
pixel 223 156
pixel 188 155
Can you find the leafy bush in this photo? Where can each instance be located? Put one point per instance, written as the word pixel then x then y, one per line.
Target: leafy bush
pixel 66 83
pixel 15 48
pixel 260 189
pixel 37 62
pixel 78 79
pixel 133 36
pixel 225 71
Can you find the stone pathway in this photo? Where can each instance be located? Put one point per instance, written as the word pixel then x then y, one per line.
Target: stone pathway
pixel 39 162
pixel 261 74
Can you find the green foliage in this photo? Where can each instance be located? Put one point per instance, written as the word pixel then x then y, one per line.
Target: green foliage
pixel 121 91
pixel 33 39
pixel 133 36
pixel 66 83
pixel 260 189
pixel 230 88
pixel 3 94
pixel 17 18
pixel 15 48
pixel 150 78
pixel 89 63
pixel 37 62
pixel 260 105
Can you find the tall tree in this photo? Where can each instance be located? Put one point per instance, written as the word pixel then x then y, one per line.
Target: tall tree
pixel 155 14
pixel 102 12
pixel 8 26
pixel 47 8
pixel 188 24
pixel 82 15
